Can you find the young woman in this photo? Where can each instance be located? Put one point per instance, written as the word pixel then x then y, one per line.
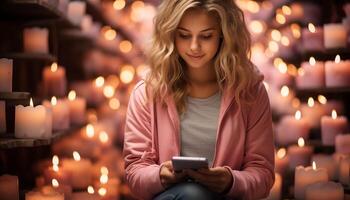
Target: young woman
pixel 202 97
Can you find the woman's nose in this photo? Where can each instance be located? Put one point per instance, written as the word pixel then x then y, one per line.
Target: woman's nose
pixel 195 46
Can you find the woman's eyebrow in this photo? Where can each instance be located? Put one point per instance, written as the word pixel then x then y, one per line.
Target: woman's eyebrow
pixel 204 30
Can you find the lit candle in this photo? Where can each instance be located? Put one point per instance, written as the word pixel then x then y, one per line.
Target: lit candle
pixel 291 128
pixel 337 73
pixel 324 191
pixel 344 172
pixel 299 154
pixel 342 143
pixel 335 36
pixel 54 80
pixel 281 161
pixel 36 40
pixel 312 38
pixel 77 107
pixel 76 11
pixel 276 190
pixel 312 112
pixel 55 172
pixel 89 195
pixel 332 126
pixel 96 96
pixel 307 176
pixel 46 193
pixel 311 75
pixel 80 170
pixel 60 188
pixel 32 122
pixel 6 68
pixel 281 100
pixel 9 187
pixel 326 162
pixel 60 113
pixel 2 117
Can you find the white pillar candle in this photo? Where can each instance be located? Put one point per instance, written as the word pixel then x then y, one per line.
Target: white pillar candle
pixel 337 73
pixel 324 191
pixel 9 187
pixel 2 117
pixel 80 169
pixel 337 157
pixel 32 122
pixel 335 36
pixel 77 107
pixel 326 162
pixel 96 91
pixel 76 11
pixel 281 100
pixel 54 80
pixel 291 128
pixel 311 74
pixel 6 68
pixel 307 176
pixel 312 38
pixel 332 126
pixel 299 154
pixel 312 111
pixel 36 40
pixel 276 190
pixel 60 113
pixel 342 143
pixel 344 171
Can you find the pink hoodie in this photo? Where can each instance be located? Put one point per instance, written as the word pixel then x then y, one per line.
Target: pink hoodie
pixel 244 143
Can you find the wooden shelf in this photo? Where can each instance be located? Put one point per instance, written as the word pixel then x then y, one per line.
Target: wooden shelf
pixel 29 56
pixel 14 95
pixel 317 91
pixel 29 9
pixel 8 141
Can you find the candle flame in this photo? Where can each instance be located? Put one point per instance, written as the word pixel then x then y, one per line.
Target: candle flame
pixel 312 28
pixel 312 61
pixel 99 81
pixel 114 103
pixel 280 18
pixel 297 115
pixel 55 160
pixel 256 26
pixel 334 114
pixel 103 136
pixel 104 170
pixel 104 178
pixel 322 99
pixel 311 102
pixel 295 30
pixel 286 10
pixel 127 74
pixel 285 41
pixel 31 104
pixel 72 95
pixel 301 71
pixel 301 142
pixel 273 46
pixel 102 191
pixel 282 68
pixel 276 35
pixel 284 91
pixel 54 101
pixel 314 165
pixel 119 4
pixel 76 156
pixel 54 67
pixel 54 183
pixel 281 153
pixel 108 91
pixel 90 189
pixel 55 168
pixel 337 59
pixel 125 46
pixel 90 131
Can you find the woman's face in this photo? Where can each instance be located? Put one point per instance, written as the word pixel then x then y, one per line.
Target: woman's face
pixel 197 38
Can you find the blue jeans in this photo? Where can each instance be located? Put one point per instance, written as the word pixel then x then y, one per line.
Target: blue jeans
pixel 188 191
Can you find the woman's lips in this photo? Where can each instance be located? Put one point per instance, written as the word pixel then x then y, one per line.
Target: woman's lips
pixel 195 56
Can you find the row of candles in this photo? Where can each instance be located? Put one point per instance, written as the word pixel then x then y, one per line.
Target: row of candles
pixel 57 181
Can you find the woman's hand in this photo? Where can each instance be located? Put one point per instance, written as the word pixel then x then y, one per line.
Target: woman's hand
pixel 218 179
pixel 168 176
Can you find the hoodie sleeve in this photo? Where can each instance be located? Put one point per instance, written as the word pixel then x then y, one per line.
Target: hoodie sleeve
pixel 256 176
pixel 142 170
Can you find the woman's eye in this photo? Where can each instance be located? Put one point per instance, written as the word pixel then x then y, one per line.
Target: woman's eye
pixel 184 36
pixel 206 37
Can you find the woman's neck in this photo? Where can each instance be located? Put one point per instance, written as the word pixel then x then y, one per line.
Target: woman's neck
pixel 202 82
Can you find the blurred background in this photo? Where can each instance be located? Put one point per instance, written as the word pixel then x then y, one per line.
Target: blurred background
pixel 67 69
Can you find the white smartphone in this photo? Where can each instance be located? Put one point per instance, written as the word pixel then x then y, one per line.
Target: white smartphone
pixel 183 162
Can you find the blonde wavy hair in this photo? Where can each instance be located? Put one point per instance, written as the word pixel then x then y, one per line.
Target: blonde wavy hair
pixel 234 70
